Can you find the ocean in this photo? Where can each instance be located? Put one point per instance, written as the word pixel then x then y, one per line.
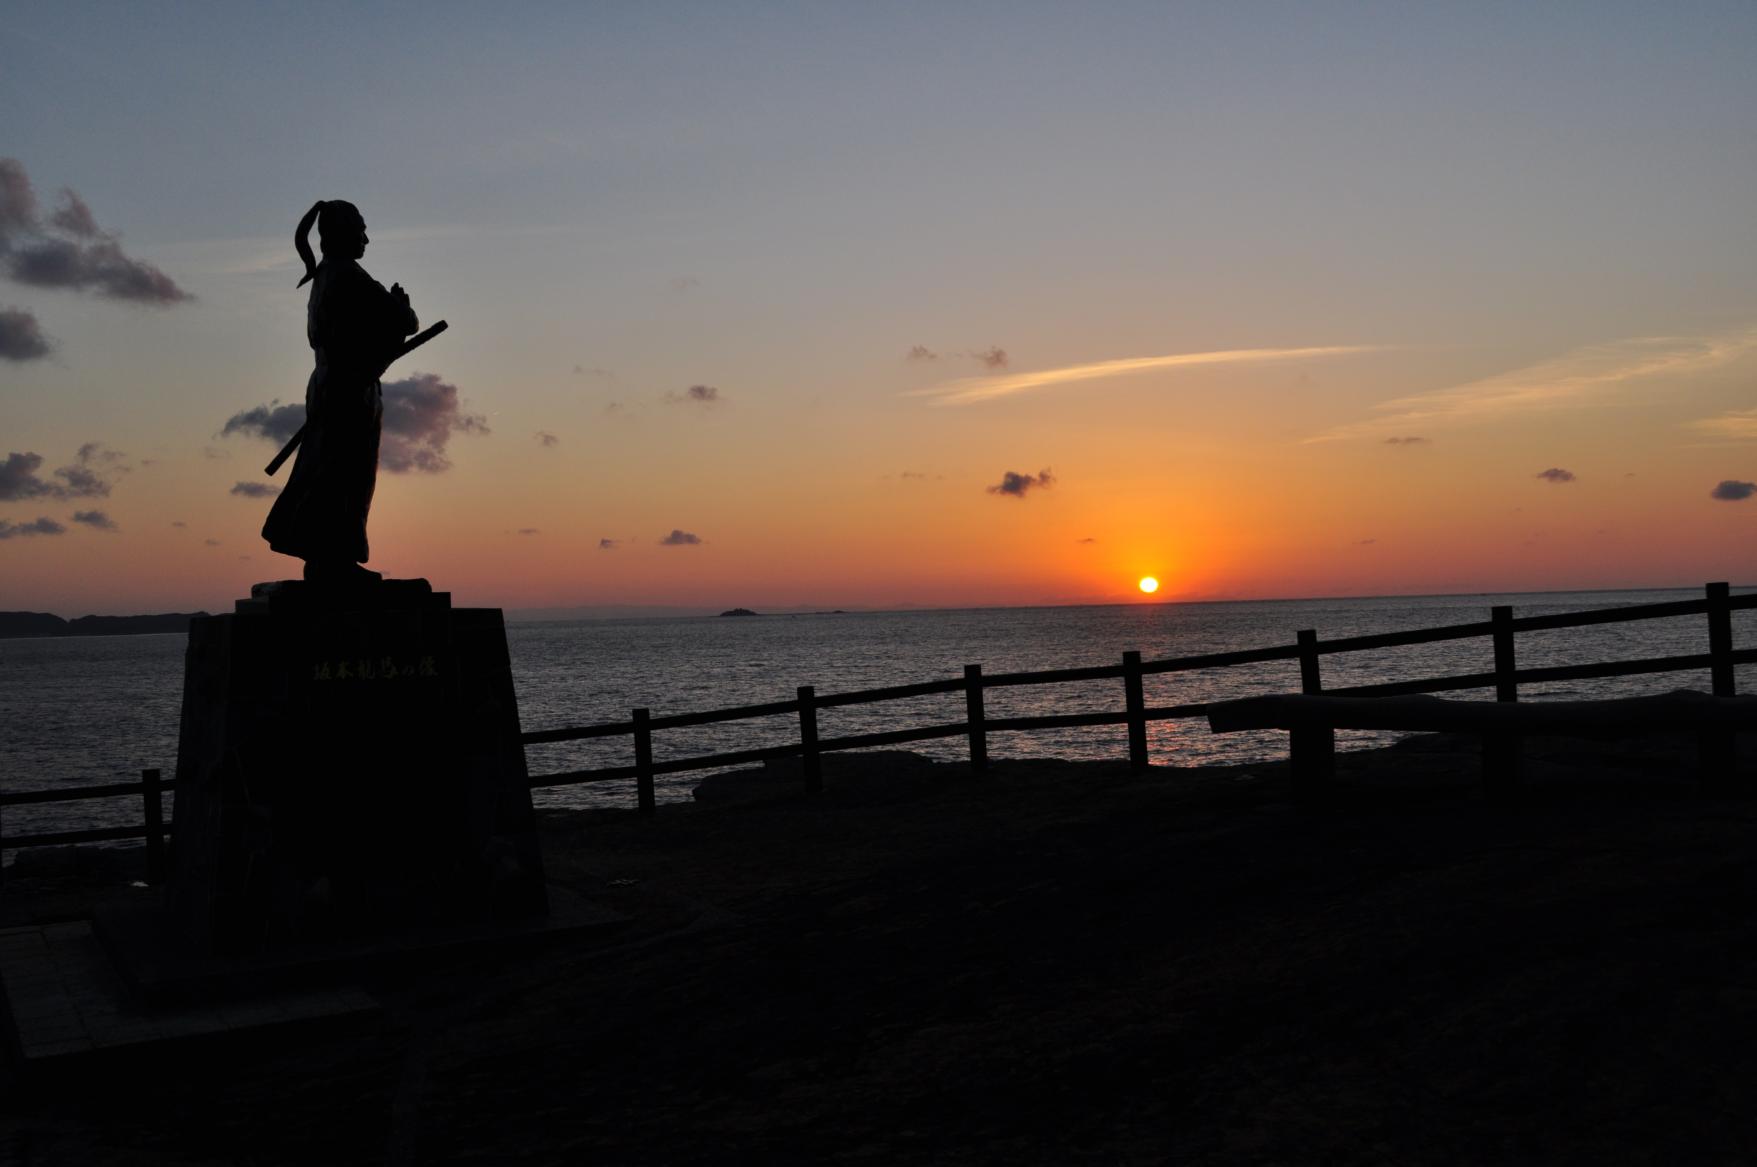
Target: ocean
pixel 82 710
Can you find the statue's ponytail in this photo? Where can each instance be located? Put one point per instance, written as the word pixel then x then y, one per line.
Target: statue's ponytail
pixel 300 241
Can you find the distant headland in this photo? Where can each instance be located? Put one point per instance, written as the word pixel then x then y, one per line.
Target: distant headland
pixel 17 625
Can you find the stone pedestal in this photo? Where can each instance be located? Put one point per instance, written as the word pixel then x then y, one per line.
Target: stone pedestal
pixel 349 766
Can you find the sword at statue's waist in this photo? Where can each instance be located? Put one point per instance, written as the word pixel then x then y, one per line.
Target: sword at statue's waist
pixel 403 350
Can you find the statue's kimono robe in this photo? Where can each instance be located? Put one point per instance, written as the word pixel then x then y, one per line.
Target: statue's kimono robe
pixel 354 326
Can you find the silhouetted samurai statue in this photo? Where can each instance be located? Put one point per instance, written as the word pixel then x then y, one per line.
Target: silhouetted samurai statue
pixel 356 329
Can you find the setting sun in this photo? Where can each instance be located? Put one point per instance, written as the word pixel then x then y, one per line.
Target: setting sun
pixel 1149 584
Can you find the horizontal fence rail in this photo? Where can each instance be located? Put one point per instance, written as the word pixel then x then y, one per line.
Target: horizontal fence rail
pixel 1501 628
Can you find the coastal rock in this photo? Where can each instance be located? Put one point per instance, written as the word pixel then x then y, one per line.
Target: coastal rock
pixel 33 624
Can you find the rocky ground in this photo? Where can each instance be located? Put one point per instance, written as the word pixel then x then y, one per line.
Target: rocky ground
pixel 1053 963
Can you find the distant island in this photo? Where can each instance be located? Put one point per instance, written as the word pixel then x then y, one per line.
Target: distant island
pixel 15 625
pixel 738 612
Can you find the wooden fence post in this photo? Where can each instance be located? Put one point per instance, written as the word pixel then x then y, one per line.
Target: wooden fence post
pixel 155 826
pixel 1501 761
pixel 1135 699
pixel 977 719
pixel 1718 749
pixel 811 762
pixel 643 763
pixel 1312 747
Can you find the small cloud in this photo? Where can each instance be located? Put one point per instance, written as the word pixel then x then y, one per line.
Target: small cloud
pixel 21 337
pixel 1407 441
pixel 527 530
pixel 993 358
pixel 912 475
pixel 254 489
pixel 1087 541
pixel 19 478
pixel 69 250
pixel 1017 485
pixel 217 454
pixel 273 421
pixel 546 439
pixel 1732 490
pixel 178 523
pixel 1365 542
pixel 1556 475
pixel 211 542
pixel 696 394
pixel 681 284
pixel 921 352
pixel 613 409
pixel 95 519
pixel 609 544
pixel 679 539
pixel 594 372
pixel 96 453
pixel 421 414
pixel 42 526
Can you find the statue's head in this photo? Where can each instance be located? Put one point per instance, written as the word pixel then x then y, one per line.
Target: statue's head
pixel 342 229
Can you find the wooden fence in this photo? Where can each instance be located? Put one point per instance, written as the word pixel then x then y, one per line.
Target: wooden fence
pixel 1505 678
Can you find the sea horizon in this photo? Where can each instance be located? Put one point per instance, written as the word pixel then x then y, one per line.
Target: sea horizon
pixel 557 615
pixel 636 612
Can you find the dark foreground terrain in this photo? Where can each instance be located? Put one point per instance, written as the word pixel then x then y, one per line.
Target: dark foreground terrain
pixel 1055 963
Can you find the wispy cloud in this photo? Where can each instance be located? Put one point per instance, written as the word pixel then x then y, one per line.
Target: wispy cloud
pixel 1572 379
pixel 1737 425
pixel 966 390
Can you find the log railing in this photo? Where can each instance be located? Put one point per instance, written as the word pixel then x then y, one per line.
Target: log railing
pixel 1505 678
pixel 1501 628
